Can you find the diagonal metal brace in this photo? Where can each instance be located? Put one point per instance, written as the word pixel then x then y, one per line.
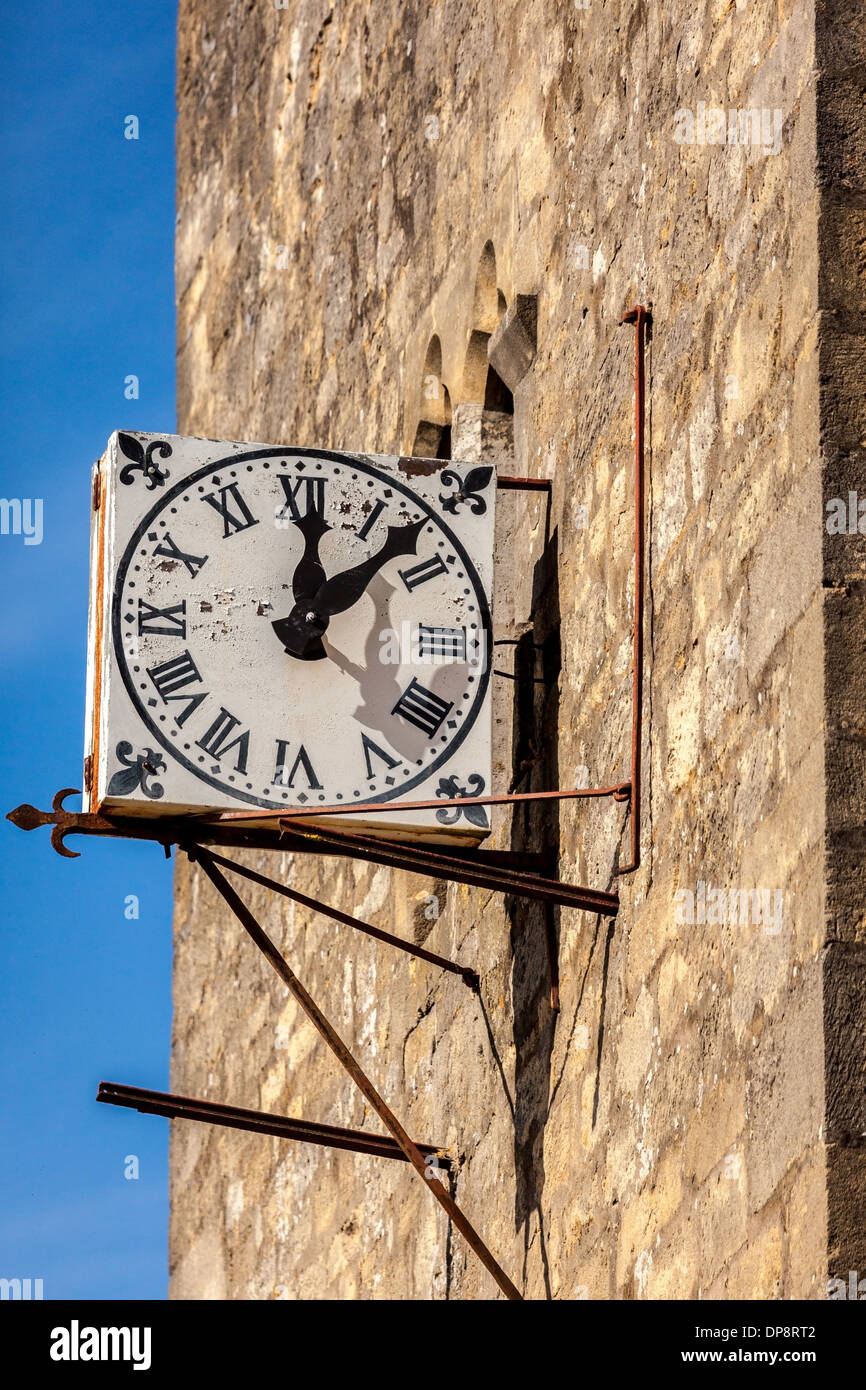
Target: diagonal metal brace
pixel 469 975
pixel 344 1056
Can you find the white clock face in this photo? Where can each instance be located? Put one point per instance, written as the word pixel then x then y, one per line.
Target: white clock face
pixel 296 628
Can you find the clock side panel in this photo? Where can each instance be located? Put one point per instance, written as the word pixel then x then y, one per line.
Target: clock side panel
pixel 94 641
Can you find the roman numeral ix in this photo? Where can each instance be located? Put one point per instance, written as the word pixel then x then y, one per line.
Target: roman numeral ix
pixel 162 622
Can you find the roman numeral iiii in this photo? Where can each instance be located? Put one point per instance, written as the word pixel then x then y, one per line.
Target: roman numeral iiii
pixel 422 708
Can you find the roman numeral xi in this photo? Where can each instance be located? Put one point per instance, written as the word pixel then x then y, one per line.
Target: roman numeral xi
pixel 231 506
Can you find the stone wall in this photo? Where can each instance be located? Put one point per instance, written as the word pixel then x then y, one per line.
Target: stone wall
pixel 363 193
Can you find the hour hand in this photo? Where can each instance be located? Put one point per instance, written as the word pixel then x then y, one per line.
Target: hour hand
pixel 340 592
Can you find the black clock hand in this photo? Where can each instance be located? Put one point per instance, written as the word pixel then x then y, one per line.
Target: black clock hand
pixel 309 573
pixel 301 632
pixel 296 631
pixel 342 590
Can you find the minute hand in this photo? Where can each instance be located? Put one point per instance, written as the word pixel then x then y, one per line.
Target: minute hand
pixel 342 590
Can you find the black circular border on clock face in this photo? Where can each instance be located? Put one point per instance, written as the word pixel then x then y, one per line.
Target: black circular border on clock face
pixel 357 461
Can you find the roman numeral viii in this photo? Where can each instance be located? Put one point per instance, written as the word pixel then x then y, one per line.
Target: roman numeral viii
pixel 422 708
pixel 232 508
pixel 218 740
pixel 171 679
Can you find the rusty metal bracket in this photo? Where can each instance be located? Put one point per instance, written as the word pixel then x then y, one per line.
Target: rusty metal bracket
pixel 468 975
pixel 306 1002
pixel 498 871
pixel 173 1107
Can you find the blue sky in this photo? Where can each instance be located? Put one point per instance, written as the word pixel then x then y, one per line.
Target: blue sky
pixel 87 299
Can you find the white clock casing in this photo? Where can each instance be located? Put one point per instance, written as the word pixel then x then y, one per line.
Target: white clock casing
pixel 275 628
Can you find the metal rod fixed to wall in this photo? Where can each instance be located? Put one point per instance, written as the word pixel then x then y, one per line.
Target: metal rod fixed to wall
pixel 398 855
pixel 641 318
pixel 259 1122
pixel 469 975
pixel 344 1056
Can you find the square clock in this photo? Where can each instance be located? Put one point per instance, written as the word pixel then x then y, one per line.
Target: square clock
pixel 275 628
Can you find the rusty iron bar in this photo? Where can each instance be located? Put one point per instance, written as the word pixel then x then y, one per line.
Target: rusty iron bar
pixel 469 975
pixel 259 1122
pixel 257 834
pixel 344 1056
pixel 479 868
pixel 399 855
pixel 641 318
pixel 620 791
